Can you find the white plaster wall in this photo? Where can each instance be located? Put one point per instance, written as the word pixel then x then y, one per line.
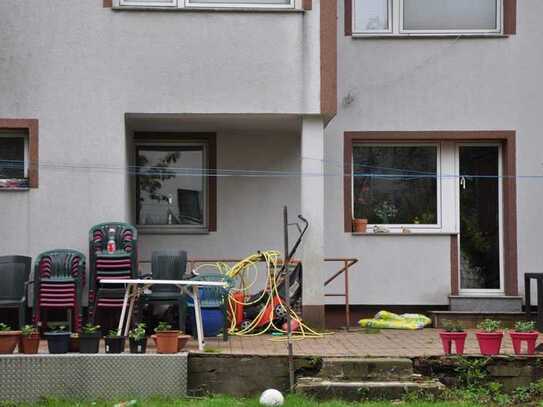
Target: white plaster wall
pixel 78 68
pixel 431 84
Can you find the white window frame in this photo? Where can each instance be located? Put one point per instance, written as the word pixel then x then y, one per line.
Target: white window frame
pixel 397 29
pixel 247 4
pixel 167 229
pixel 479 291
pixel 444 191
pixel 26 152
pixel 135 3
pixel 389 30
pixel 194 4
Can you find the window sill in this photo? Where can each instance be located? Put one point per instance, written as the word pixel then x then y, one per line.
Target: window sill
pixel 427 36
pixel 14 189
pixel 14 184
pixel 412 233
pixel 208 9
pixel 170 230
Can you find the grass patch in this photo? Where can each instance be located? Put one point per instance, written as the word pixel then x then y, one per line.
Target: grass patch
pixel 223 401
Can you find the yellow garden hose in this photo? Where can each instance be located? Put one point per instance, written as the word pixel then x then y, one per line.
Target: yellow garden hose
pixel 240 270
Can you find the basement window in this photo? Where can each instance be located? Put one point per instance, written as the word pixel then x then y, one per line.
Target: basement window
pixel 427 17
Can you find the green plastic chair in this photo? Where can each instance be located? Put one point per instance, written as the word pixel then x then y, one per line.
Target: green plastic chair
pixel 14 273
pixel 167 265
pixel 59 277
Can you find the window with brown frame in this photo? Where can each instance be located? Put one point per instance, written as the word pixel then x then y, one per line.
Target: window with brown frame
pixel 18 154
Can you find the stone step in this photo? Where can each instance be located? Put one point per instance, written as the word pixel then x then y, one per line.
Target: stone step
pixel 355 391
pixel 366 369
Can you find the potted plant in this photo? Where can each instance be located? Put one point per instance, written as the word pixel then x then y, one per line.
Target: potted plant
pixel 524 331
pixel 114 342
pixel 166 338
pixel 360 225
pixel 137 339
pixel 489 337
pixel 58 340
pixel 8 338
pixel 89 340
pixel 30 340
pixel 453 333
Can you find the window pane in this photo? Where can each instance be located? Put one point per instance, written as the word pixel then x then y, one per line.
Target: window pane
pixel 170 185
pixel 148 2
pixel 449 14
pixel 12 155
pixel 371 15
pixel 395 184
pixel 246 2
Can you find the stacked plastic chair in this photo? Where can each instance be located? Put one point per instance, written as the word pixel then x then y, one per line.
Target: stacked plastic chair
pixel 59 278
pixel 122 263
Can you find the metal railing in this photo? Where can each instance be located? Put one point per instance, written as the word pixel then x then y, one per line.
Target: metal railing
pixel 347 264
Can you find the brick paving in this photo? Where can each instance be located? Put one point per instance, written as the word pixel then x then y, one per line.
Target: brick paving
pixel 386 343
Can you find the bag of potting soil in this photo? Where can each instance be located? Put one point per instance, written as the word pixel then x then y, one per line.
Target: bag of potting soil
pixel 389 320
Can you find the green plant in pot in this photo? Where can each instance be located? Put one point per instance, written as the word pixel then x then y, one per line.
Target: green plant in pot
pixel 137 339
pixel 489 337
pixel 8 339
pixel 114 342
pixel 30 340
pixel 58 340
pixel 453 333
pixel 524 332
pixel 89 340
pixel 166 338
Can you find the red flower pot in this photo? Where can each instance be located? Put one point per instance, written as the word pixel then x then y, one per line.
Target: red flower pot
pixel 489 342
pixel 529 337
pixel 458 338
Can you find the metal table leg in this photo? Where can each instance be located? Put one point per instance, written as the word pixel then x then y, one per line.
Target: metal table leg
pixel 130 310
pixel 198 317
pixel 123 311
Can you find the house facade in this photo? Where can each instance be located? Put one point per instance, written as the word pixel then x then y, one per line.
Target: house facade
pixel 198 120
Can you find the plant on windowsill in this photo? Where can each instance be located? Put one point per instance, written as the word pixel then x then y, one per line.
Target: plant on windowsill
pixel 89 340
pixel 114 342
pixel 8 339
pixel 360 225
pixel 58 340
pixel 30 340
pixel 137 339
pixel 453 333
pixel 524 331
pixel 489 337
pixel 166 338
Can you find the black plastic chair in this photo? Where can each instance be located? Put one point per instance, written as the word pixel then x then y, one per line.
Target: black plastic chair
pixel 167 265
pixel 14 273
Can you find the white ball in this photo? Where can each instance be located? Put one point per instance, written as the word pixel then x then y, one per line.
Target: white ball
pixel 271 397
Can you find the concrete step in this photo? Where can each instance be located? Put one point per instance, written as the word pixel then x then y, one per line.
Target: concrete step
pixel 322 389
pixel 366 369
pixel 469 320
pixel 486 303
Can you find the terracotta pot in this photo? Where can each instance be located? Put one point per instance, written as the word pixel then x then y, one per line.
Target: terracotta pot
pixel 166 341
pixel 8 341
pixel 182 341
pixel 360 225
pixel 529 337
pixel 30 344
pixel 489 342
pixel 458 338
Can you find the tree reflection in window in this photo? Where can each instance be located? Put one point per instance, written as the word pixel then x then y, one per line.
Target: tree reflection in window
pixel 170 185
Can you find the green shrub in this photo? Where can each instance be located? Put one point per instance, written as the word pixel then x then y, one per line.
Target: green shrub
pixel 524 326
pixel 90 329
pixel 4 327
pixel 163 326
pixel 138 333
pixel 489 325
pixel 28 330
